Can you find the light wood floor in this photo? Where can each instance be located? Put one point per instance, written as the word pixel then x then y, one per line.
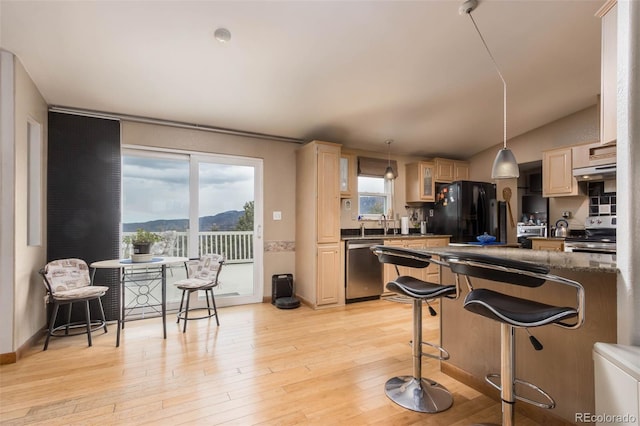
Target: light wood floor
pixel 261 366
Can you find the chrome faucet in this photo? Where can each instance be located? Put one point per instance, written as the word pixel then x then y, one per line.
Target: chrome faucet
pixel 385 228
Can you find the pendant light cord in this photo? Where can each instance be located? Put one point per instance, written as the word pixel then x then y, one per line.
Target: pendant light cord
pixel 504 83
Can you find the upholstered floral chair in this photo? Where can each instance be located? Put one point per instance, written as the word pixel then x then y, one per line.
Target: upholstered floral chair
pixel 202 275
pixel 67 281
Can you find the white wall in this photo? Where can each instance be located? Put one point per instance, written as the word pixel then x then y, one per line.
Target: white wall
pixel 29 290
pixel 7 190
pixel 628 154
pixel 22 309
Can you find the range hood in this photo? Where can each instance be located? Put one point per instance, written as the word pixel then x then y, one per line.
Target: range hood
pixel 596 173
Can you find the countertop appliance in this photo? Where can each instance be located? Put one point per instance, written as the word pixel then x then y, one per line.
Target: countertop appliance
pixel 599 236
pixel 466 209
pixel 561 229
pixel 524 231
pixel 364 273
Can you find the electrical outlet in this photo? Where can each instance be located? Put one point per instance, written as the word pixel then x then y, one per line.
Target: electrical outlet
pixel 277 215
pixel 430 212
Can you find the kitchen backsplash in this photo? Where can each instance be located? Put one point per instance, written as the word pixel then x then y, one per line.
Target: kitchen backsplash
pixel 601 203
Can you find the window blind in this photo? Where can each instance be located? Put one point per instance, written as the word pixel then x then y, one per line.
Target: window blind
pixel 375 167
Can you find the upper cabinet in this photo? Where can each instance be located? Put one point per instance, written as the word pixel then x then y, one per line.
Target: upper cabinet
pixel 557 173
pixel 593 154
pixel 460 170
pixel 328 197
pixel 347 175
pixel 447 170
pixel 422 177
pixel 608 89
pixel 420 182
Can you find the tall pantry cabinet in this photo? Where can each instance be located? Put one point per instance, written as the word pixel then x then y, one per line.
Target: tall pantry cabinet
pixel 319 259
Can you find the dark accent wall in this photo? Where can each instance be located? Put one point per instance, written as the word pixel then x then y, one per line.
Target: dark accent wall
pixel 83 196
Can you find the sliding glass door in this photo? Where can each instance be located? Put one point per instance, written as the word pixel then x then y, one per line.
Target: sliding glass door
pixel 199 204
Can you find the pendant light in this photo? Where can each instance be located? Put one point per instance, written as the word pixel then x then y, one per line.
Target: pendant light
pixel 389 174
pixel 505 165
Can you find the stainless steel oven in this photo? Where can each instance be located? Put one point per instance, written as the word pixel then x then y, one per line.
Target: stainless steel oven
pixel 599 237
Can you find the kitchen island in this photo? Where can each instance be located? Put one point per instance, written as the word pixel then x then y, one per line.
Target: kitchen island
pixel 564 368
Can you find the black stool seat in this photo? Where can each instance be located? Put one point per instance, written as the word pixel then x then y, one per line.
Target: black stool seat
pixel 418 289
pixel 514 310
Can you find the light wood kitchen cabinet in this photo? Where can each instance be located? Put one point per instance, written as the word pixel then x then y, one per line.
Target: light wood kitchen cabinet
pixel 319 280
pixel 348 179
pixel 328 197
pixel 608 78
pixel 430 273
pixel 557 173
pixel 443 170
pixel 447 170
pixel 328 274
pixel 593 154
pixel 460 170
pixel 420 183
pixel 547 244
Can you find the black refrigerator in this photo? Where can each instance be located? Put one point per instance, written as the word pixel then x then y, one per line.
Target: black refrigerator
pixel 466 209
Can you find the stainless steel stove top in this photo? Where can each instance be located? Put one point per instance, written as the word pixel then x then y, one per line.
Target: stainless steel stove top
pixel 599 237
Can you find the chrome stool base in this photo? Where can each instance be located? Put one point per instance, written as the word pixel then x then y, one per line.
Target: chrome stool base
pixel 424 396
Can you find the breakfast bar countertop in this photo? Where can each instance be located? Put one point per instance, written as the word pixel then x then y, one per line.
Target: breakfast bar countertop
pixel 577 262
pixel 391 236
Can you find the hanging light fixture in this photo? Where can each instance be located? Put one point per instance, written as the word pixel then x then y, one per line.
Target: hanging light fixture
pixel 505 165
pixel 389 174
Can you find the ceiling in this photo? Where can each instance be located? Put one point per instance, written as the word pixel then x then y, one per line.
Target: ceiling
pixel 353 72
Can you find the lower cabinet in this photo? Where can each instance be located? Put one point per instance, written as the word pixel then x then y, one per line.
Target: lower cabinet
pixel 329 267
pixel 551 245
pixel 430 273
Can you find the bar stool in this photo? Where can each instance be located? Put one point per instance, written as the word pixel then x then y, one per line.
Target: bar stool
pixel 513 312
pixel 415 392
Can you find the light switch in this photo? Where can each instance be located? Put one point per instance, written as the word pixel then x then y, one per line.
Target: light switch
pixel 277 215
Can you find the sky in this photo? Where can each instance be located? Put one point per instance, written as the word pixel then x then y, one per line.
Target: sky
pixel 155 188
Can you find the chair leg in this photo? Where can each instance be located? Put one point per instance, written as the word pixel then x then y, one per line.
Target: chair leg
pixel 88 319
pixel 180 309
pixel 215 309
pixel 414 392
pixel 186 314
pixel 206 297
pixel 507 373
pixel 52 321
pixel 69 308
pixel 104 318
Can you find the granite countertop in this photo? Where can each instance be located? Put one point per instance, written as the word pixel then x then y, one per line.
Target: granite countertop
pixel 391 236
pixel 547 238
pixel 577 262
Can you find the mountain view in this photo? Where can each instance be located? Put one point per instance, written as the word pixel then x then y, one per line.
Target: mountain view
pixel 225 221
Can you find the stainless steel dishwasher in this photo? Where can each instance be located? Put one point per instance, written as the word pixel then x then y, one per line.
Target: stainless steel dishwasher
pixel 364 273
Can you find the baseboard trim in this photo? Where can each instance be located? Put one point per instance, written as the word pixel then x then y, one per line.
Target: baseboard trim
pixel 13 357
pixel 539 415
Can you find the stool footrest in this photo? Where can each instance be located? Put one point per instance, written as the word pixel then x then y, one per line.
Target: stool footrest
pixel 442 356
pixel 181 314
pixel 77 328
pixel 548 405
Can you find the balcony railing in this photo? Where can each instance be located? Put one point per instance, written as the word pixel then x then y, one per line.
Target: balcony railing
pixel 236 246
